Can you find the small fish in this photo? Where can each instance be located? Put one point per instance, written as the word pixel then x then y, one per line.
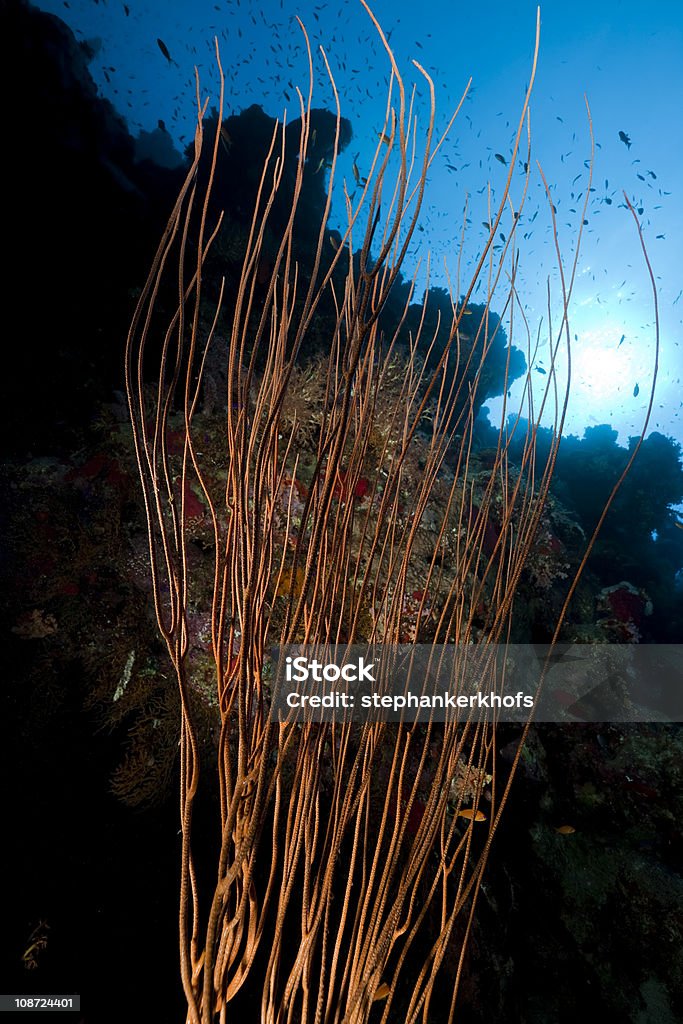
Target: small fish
pixel 225 138
pixel 164 49
pixel 621 341
pixel 565 830
pixel 471 815
pixel 384 138
pixel 636 391
pixel 626 139
pixel 679 525
pixel 382 992
pixel 356 173
pixel 320 165
pixel 334 243
pixel 539 369
pixel 500 158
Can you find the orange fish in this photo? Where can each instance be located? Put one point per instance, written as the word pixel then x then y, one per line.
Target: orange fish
pixel 471 814
pixel 565 830
pixel 382 992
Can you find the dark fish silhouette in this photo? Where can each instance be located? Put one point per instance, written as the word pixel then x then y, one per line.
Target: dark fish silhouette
pixel 626 139
pixel 636 391
pixel 164 49
pixel 501 159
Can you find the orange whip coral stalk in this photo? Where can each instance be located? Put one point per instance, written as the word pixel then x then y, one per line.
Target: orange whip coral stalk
pixel 345 874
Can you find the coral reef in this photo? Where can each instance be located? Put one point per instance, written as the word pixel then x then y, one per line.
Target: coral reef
pixel 91 731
